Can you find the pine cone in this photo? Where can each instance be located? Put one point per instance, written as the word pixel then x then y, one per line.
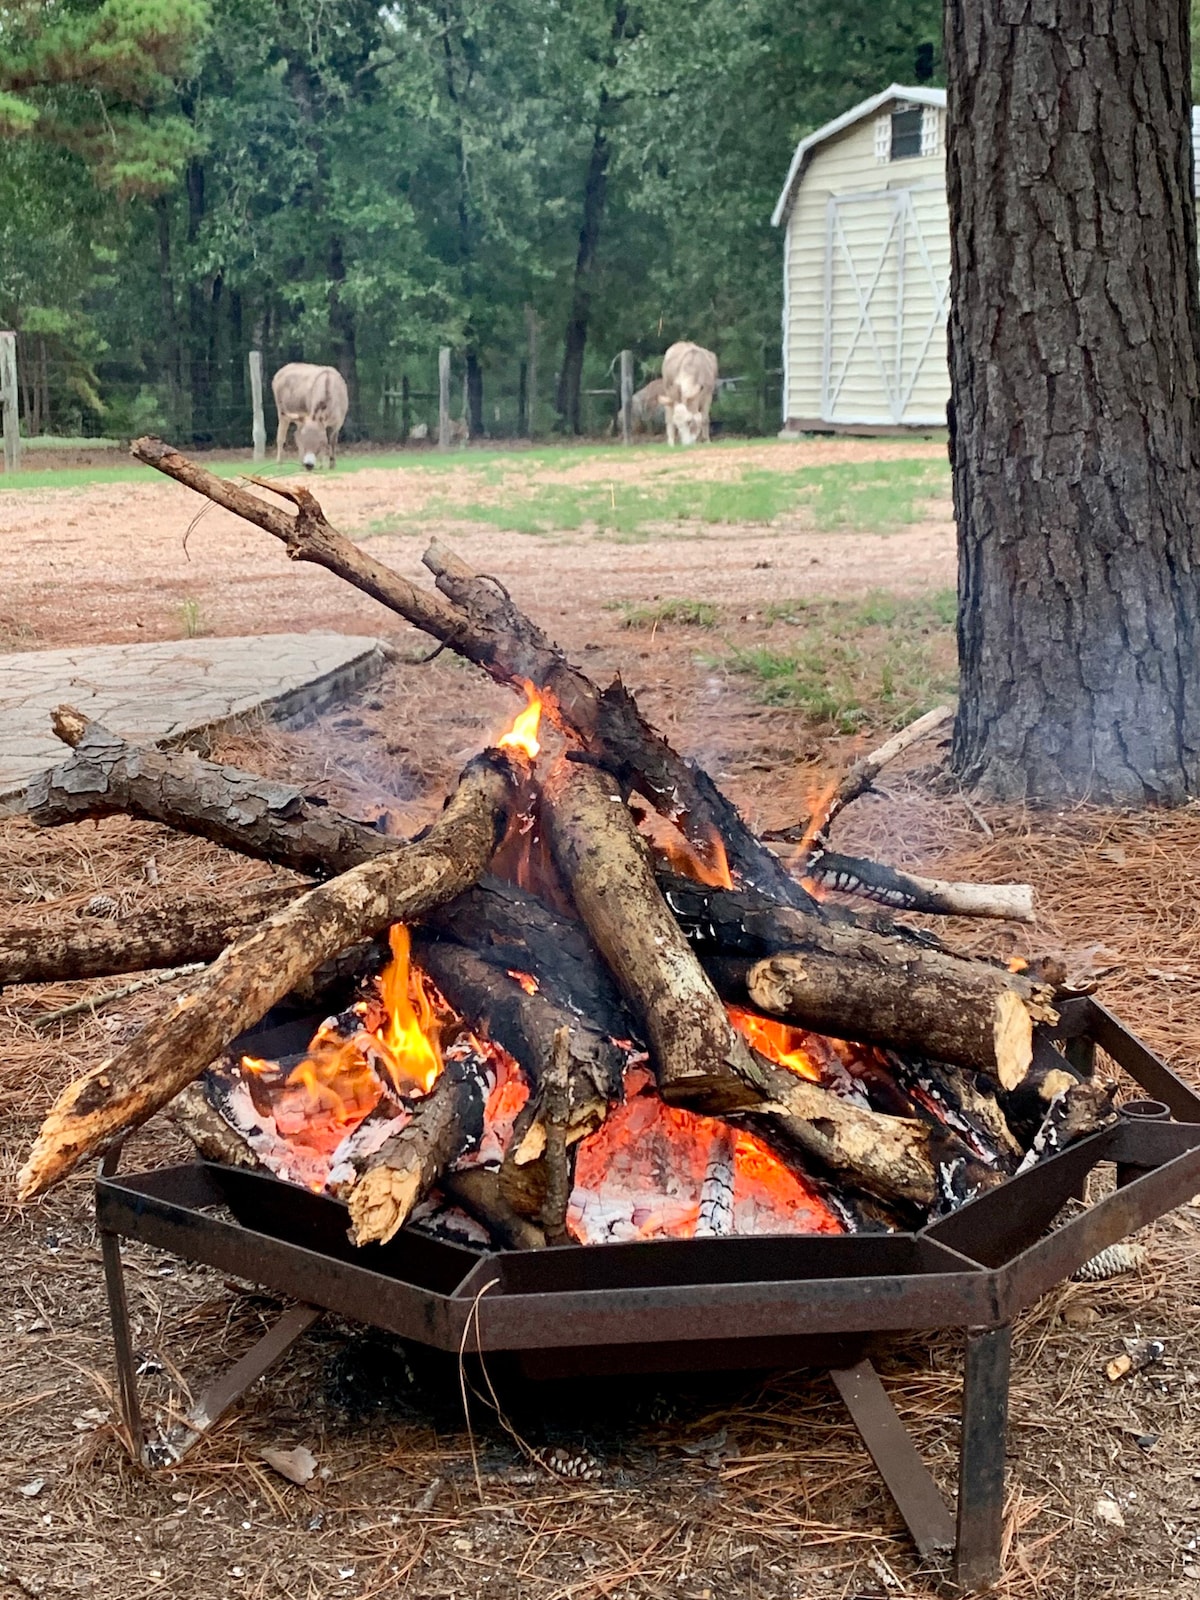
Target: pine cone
pixel 102 905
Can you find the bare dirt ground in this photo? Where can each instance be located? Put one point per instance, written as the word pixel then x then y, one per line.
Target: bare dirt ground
pixel 744 1488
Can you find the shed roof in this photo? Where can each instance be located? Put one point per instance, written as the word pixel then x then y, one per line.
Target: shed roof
pixel 920 96
pixel 923 96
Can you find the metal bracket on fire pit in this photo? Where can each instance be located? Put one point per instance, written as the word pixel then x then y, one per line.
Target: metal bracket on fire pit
pixel 682 1304
pixel 170 1447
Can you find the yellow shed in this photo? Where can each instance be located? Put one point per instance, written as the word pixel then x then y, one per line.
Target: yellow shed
pixel 867 268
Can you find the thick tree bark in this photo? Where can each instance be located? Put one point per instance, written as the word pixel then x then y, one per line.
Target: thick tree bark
pixel 257 816
pixel 164 936
pixel 250 976
pixel 1075 376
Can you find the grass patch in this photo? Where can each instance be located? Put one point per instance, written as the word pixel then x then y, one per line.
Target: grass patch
pixel 192 619
pixel 877 662
pixel 668 614
pixel 851 497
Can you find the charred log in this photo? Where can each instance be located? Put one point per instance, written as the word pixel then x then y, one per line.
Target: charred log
pixel 478 1191
pixel 445 1125
pixel 260 969
pixel 837 977
pixel 905 891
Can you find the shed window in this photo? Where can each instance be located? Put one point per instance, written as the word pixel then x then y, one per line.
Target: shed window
pixel 906 133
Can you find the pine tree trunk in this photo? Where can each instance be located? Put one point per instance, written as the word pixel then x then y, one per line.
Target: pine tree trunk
pixel 570 379
pixel 1075 421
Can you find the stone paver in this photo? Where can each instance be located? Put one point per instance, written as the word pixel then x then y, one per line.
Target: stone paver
pixel 163 692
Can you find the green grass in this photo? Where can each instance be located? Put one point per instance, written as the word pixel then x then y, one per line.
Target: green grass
pixel 193 620
pixel 853 497
pixel 668 614
pixel 876 662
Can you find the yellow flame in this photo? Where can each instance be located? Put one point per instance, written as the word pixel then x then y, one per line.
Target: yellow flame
pixel 778 1041
pixel 523 733
pixel 409 1037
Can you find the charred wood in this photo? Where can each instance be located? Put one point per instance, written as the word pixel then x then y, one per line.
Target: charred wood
pixel 260 969
pixel 478 1191
pixel 905 891
pixel 445 1124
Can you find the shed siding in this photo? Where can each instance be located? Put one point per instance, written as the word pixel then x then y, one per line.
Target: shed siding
pixel 846 166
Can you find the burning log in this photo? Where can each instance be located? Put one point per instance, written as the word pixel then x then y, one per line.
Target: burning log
pixel 484 626
pixel 699 1057
pixel 478 1190
pixel 834 976
pixel 164 936
pixel 240 810
pixel 445 1123
pixel 251 975
pixel 194 1115
pixel 527 1022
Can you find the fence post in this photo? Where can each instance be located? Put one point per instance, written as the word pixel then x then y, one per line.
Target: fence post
pixel 405 409
pixel 531 381
pixel 8 401
pixel 444 398
pixel 258 420
pixel 626 396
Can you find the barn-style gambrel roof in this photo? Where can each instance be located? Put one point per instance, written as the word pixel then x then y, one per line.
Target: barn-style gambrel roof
pixel 917 96
pixel 923 96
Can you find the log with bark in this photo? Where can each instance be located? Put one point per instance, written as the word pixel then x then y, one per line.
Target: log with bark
pixel 260 969
pixel 171 935
pixel 835 976
pixel 256 816
pixel 445 1124
pixel 905 891
pixel 700 1059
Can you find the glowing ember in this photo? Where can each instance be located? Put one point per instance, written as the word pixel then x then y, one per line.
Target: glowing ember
pixel 651 1172
pixel 523 733
pixel 777 1041
pixel 526 979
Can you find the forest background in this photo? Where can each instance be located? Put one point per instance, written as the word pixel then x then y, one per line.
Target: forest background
pixel 182 181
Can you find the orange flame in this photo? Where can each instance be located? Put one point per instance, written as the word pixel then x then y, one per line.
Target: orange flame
pixel 523 733
pixel 776 1040
pixel 526 979
pixel 409 1038
pixel 710 868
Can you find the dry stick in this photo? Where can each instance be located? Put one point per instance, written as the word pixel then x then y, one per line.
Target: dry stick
pixel 445 1123
pixel 240 810
pixel 859 778
pixel 184 932
pixel 251 975
pixel 699 1057
pixel 94 1001
pixel 485 627
pixel 905 891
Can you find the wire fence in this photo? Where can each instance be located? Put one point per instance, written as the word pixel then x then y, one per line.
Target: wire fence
pixel 392 402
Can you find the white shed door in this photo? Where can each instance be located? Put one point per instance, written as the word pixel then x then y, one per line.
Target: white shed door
pixel 885 306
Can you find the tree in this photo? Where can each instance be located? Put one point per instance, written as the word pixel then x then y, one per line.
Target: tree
pixel 88 76
pixel 1075 376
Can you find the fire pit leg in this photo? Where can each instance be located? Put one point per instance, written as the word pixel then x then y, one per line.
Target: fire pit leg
pixel 909 1483
pixel 981 1457
pixel 118 1310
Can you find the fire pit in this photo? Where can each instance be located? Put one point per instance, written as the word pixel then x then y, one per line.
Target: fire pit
pixel 698 1303
pixel 589 1006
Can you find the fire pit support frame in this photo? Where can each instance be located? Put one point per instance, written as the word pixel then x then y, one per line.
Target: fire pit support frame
pixel 759 1301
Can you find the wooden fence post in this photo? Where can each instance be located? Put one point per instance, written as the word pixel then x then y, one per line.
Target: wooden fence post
pixel 531 381
pixel 444 398
pixel 626 396
pixel 405 409
pixel 8 401
pixel 258 420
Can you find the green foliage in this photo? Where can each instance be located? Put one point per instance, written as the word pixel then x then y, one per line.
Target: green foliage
pixel 184 180
pixel 878 662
